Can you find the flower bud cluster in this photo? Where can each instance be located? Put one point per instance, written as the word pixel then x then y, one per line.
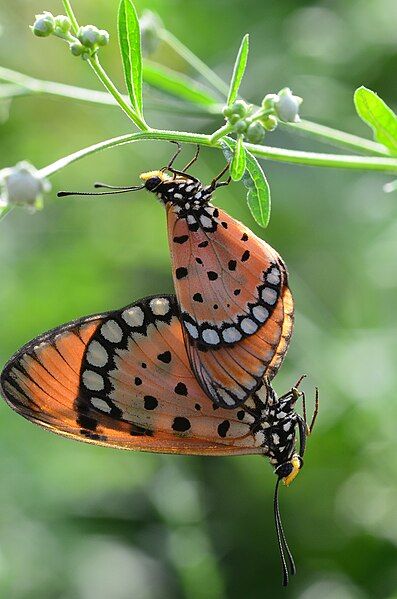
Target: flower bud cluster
pixel 252 125
pixel 85 43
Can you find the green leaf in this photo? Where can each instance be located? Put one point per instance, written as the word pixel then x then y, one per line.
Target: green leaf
pixel 377 114
pixel 131 54
pixel 237 167
pixel 254 179
pixel 258 196
pixel 238 71
pixel 175 84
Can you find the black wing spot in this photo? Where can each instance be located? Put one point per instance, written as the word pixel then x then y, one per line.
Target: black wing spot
pixel 197 407
pixel 181 424
pixel 138 380
pixel 150 402
pixel 232 265
pixel 224 225
pixel 203 244
pixel 144 365
pixel 198 298
pixel 181 272
pixel 212 275
pixel 215 306
pixel 87 422
pixel 223 428
pixel 245 256
pixel 237 291
pixel 244 237
pixel 240 414
pixel 165 357
pixel 181 389
pixel 199 261
pixel 181 239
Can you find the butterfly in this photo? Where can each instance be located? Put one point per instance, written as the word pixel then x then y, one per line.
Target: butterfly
pixel 123 379
pixel 231 286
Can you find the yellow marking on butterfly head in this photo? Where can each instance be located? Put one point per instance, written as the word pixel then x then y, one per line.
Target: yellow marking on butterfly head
pixel 154 175
pixel 296 463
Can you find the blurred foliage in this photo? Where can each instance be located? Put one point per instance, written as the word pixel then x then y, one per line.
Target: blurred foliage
pixel 91 523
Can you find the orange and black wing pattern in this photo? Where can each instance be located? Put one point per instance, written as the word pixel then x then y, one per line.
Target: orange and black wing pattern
pixel 236 306
pixel 123 379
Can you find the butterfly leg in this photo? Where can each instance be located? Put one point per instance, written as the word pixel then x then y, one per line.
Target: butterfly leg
pixel 309 428
pixel 193 160
pixel 178 151
pixel 214 183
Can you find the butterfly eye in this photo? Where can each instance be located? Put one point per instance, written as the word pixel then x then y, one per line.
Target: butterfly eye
pixel 152 183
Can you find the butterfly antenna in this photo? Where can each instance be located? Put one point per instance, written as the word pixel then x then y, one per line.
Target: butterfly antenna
pixel 282 541
pixel 62 194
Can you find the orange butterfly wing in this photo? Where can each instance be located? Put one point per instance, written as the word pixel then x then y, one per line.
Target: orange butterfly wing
pixel 236 307
pixel 123 379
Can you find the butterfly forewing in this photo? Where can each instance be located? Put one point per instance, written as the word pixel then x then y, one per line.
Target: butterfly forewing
pixel 123 379
pixel 236 308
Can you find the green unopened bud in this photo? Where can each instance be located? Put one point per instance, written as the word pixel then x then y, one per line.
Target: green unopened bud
pixel 239 107
pixel 255 133
pixel 22 185
pixel 234 119
pixel 269 122
pixel 287 107
pixel 150 25
pixel 44 24
pixel 63 23
pixel 88 35
pixel 103 37
pixel 227 111
pixel 269 101
pixel 241 126
pixel 76 48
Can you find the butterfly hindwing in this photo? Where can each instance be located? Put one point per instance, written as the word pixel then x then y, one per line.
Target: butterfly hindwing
pixel 232 289
pixel 123 379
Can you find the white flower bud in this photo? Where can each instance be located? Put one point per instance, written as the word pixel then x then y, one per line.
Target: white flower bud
pixel 22 185
pixel 287 106
pixel 63 23
pixel 44 24
pixel 103 37
pixel 88 35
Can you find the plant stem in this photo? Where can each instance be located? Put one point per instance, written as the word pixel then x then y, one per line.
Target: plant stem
pixel 338 138
pixel 107 82
pixel 22 85
pixel 194 61
pixel 313 130
pixel 104 78
pixel 385 164
pixel 219 133
pixel 69 11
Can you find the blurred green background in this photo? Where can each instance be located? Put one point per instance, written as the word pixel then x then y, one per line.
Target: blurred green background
pixel 83 522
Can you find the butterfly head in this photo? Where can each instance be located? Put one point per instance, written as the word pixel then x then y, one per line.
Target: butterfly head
pixel 288 471
pixel 178 190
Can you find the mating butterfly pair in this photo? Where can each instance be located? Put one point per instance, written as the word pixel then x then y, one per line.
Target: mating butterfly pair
pixel 188 374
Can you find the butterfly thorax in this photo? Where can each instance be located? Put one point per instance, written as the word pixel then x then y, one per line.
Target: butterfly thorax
pixel 188 198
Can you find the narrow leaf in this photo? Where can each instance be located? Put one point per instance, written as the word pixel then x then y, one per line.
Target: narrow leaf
pixel 175 84
pixel 131 54
pixel 237 167
pixel 377 114
pixel 254 179
pixel 238 71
